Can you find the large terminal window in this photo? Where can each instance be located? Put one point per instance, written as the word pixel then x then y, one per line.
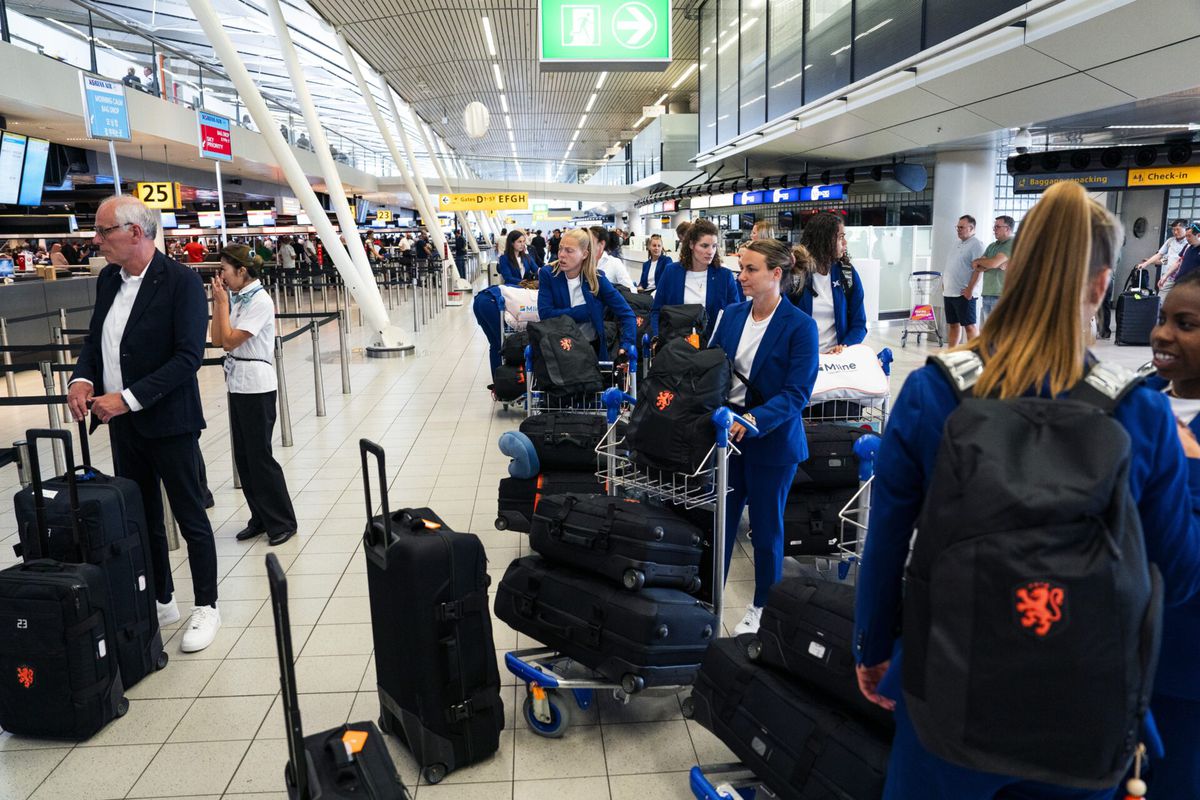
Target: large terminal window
pixel 708 75
pixel 785 57
pixel 827 43
pixel 728 41
pixel 945 19
pixel 753 107
pixel 885 33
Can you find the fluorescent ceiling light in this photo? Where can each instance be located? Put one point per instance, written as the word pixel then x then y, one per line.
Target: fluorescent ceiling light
pixel 659 100
pixel 508 121
pixel 1191 126
pixel 496 74
pixel 574 136
pixel 591 102
pixel 504 103
pixel 641 119
pixel 840 50
pixel 510 136
pixel 582 120
pixel 487 33
pixel 600 81
pixel 869 31
pixel 691 68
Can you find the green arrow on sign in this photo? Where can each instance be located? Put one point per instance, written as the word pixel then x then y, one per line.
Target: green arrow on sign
pixel 604 34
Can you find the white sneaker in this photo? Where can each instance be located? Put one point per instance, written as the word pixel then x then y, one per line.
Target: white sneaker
pixel 750 622
pixel 201 629
pixel 168 613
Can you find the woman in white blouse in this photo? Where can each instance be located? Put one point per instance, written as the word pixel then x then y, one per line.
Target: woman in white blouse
pixel 243 324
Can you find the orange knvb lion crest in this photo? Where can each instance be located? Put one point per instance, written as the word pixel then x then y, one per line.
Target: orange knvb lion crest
pixel 664 400
pixel 25 676
pixel 1040 606
pixel 564 343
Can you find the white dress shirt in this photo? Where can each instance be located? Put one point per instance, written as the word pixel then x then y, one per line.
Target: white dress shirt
pixel 743 362
pixel 614 269
pixel 695 286
pixel 575 285
pixel 250 367
pixel 113 331
pixel 822 312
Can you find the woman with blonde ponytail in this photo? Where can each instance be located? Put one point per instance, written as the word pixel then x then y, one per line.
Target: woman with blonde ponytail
pixel 1035 343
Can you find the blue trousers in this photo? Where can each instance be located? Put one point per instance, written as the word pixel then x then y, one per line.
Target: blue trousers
pixel 1177 776
pixel 487 313
pixel 765 488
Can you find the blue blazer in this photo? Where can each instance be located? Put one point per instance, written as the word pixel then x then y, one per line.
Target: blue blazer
pixel 160 349
pixel 849 316
pixel 784 371
pixel 509 272
pixel 723 290
pixel 554 300
pixel 659 265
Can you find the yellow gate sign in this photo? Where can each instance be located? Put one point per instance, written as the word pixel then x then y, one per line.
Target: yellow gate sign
pixel 159 194
pixel 493 201
pixel 383 215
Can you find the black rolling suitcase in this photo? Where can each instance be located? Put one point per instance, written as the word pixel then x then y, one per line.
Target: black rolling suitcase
pixel 565 440
pixel 1137 314
pixel 60 675
pixel 807 631
pixel 112 534
pixel 789 736
pixel 519 496
pixel 627 541
pixel 435 661
pixel 811 526
pixel 831 461
pixel 348 761
pixel 655 637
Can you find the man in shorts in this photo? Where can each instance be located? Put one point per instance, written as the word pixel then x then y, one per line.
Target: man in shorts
pixel 959 295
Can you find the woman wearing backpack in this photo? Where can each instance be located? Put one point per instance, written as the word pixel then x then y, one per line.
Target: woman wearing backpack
pixel 1176 703
pixel 773 348
pixel 515 265
pixel 831 292
pixel 575 288
pixel 697 277
pixel 1034 342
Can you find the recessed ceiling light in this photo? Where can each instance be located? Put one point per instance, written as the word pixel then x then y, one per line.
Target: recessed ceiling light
pixel 487 33
pixel 600 81
pixel 591 102
pixel 496 74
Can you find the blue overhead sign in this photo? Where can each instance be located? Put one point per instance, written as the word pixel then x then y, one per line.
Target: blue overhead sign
pixel 105 108
pixel 806 194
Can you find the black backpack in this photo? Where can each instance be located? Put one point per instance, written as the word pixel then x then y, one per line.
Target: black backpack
pixel 671 426
pixel 564 363
pixel 640 304
pixel 1031 615
pixel 512 351
pixel 680 321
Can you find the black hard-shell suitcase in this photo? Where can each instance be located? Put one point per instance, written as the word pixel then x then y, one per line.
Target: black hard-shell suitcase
pixel 59 674
pixel 1137 314
pixel 807 632
pixel 350 761
pixel 790 736
pixel 655 637
pixel 113 535
pixel 811 526
pixel 519 496
pixel 565 440
pixel 633 543
pixel 435 661
pixel 831 461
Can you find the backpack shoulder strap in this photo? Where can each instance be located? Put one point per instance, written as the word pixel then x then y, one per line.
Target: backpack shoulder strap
pixel 1105 386
pixel 961 368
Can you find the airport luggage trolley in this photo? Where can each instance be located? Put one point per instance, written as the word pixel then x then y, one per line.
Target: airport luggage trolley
pixel 506 331
pixel 547 673
pixel 735 781
pixel 864 411
pixel 922 319
pixel 623 377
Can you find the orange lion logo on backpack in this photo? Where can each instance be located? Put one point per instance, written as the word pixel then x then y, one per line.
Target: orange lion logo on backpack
pixel 1040 606
pixel 25 676
pixel 564 343
pixel 664 400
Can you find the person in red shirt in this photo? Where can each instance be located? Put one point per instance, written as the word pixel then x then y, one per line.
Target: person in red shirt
pixel 195 251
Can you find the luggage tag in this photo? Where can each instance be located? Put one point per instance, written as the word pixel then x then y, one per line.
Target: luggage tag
pixel 354 741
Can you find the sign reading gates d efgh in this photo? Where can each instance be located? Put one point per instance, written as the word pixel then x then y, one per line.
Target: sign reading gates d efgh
pixel 604 34
pixel 105 108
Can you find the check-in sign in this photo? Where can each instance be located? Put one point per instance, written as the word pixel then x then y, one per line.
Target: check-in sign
pixel 216 141
pixel 493 201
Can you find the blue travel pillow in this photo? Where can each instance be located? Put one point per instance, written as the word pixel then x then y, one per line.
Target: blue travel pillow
pixel 519 448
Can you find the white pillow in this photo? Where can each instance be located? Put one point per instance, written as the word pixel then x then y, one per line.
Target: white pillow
pixel 520 306
pixel 853 374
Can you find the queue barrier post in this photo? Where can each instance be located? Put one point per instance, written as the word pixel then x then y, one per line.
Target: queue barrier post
pixel 344 351
pixel 23 474
pixel 63 358
pixel 415 303
pixel 60 464
pixel 318 378
pixel 10 377
pixel 285 416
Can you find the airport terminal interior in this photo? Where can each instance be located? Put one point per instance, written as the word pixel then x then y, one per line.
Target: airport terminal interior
pixel 355 135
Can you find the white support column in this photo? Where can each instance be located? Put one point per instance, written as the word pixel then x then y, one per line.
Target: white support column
pixel 385 335
pixel 462 216
pixel 460 284
pixel 964 182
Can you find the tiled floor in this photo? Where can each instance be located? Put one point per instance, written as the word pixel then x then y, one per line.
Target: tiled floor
pixel 210 725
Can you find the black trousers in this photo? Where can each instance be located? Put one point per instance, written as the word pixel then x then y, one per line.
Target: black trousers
pixel 252 418
pixel 175 461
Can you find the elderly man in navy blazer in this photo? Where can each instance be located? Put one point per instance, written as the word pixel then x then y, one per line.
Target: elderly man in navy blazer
pixel 137 372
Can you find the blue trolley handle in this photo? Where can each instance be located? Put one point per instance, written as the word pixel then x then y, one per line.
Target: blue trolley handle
pixel 885 360
pixel 702 788
pixel 866 449
pixel 724 418
pixel 613 399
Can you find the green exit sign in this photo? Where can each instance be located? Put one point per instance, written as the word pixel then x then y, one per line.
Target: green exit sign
pixel 604 34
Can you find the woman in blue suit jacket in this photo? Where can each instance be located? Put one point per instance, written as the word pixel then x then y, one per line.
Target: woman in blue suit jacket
pixel 652 267
pixel 516 264
pixel 697 252
pixel 575 288
pixel 486 305
pixel 830 291
pixel 773 347
pixel 1176 701
pixel 1042 303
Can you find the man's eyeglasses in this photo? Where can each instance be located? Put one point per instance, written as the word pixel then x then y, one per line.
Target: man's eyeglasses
pixel 104 232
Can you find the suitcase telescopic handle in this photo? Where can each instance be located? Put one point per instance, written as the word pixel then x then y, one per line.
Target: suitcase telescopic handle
pixel 365 447
pixel 33 436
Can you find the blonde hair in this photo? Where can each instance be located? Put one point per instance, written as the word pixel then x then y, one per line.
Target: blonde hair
pixel 762 230
pixel 802 264
pixel 582 239
pixel 1036 333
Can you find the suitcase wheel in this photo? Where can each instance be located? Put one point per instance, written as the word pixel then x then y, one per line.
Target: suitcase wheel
pixel 161 663
pixel 695 585
pixel 633 579
pixel 434 773
pixel 501 524
pixel 754 650
pixel 123 707
pixel 632 684
pixel 550 720
pixel 688 707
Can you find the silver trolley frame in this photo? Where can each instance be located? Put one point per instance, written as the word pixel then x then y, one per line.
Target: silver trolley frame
pixel 538 401
pixel 921 284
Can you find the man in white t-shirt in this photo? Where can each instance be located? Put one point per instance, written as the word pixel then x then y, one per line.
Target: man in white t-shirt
pixel 956 282
pixel 1168 255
